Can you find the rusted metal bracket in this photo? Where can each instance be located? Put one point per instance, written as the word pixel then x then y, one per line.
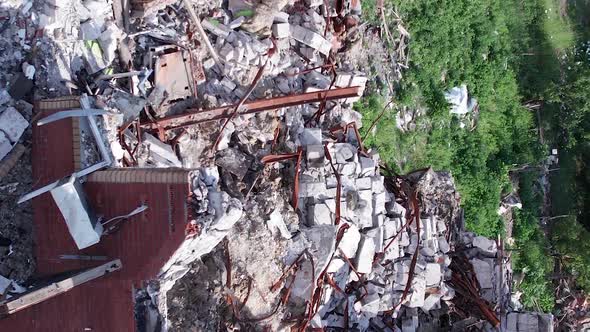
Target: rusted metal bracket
pixel 196 116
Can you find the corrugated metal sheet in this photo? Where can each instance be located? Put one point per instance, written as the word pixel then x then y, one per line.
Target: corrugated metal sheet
pixel 144 242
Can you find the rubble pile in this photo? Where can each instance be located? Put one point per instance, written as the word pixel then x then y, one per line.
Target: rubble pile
pixel 292 222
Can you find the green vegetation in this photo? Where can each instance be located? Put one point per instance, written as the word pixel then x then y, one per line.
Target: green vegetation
pixel 454 43
pixel 508 53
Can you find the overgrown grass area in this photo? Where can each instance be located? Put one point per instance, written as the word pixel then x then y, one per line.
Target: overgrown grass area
pixel 453 43
pixel 507 53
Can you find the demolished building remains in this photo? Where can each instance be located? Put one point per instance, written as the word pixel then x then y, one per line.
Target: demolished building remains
pixel 199 166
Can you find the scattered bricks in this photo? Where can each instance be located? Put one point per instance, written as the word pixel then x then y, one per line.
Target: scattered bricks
pixel 364 255
pixel 216 28
pixel 281 17
pixel 311 39
pixel 392 252
pixel 315 155
pixel 364 212
pixel 281 30
pixel 344 152
pixel 319 214
pixel 433 274
pixel 12 124
pixel 350 241
pixel 311 136
pixel 367 166
pixel 379 203
pixel 389 228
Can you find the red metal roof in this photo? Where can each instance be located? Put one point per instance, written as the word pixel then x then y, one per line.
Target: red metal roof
pixel 144 242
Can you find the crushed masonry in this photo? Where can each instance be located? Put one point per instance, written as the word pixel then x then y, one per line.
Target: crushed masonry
pixel 208 154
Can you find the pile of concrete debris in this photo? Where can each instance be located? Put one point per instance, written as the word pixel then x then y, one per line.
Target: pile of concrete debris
pixel 292 224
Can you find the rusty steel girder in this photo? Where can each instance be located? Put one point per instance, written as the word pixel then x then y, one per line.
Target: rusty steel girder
pixel 197 116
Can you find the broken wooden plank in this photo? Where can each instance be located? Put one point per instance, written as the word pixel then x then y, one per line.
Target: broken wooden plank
pixel 37 296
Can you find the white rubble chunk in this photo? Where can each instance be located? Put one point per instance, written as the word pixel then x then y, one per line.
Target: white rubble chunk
pixel 433 274
pixel 348 169
pixel 343 79
pixel 216 28
pixel 311 39
pixel 276 223
pixel 227 52
pixel 350 241
pixel 281 30
pixel 365 254
pixel 315 155
pixel 378 186
pixel 371 304
pixel 485 244
pixel 363 183
pixel 319 214
pixel 335 265
pixel 281 17
pixel 4 284
pixel 228 85
pixel 431 302
pixel 28 70
pixel 377 235
pixel 418 292
pixel 161 149
pixel 312 189
pixel 237 22
pixel 12 124
pixel 443 244
pixel 344 152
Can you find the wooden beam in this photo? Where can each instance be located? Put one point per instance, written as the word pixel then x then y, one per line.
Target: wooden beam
pixel 37 296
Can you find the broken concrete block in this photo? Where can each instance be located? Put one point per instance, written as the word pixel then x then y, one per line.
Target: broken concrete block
pixel 12 124
pixel 312 189
pixel 234 161
pixel 377 235
pixel 431 302
pixel 335 265
pixel 281 17
pixel 485 244
pixel 162 150
pixel 433 274
pixel 348 169
pixel 365 254
pixel 228 85
pixel 281 30
pixel 410 324
pixel 343 80
pixel 311 136
pixel 483 272
pixel 226 52
pixel 367 166
pixel 344 152
pixel 319 214
pixel 315 155
pixel 443 244
pixel 418 292
pixel 311 39
pixel 5 146
pixel 378 186
pixel 216 28
pixel 237 22
pixel 363 183
pixel 350 241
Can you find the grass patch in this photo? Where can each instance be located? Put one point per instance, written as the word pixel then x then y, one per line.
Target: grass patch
pixel 557 25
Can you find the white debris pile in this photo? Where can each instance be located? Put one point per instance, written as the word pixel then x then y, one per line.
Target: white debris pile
pixel 370 250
